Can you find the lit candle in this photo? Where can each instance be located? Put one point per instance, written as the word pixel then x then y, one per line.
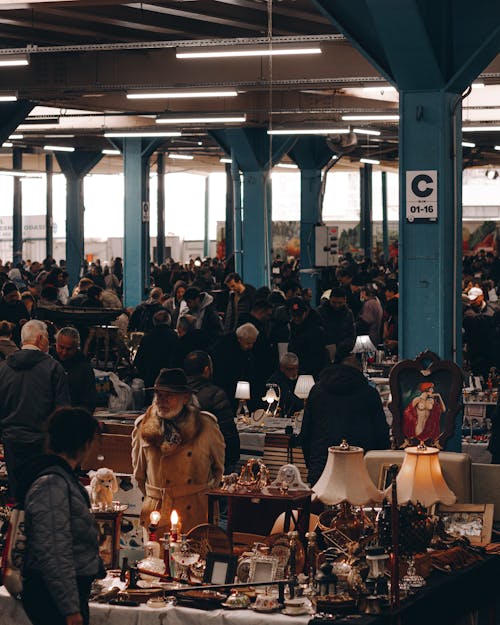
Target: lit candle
pixel 154 517
pixel 174 524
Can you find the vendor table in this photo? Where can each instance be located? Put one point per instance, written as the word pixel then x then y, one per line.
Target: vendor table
pixel 300 500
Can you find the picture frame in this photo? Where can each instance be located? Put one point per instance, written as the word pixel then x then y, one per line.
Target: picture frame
pixel 109 527
pixel 426 396
pixel 385 475
pixel 263 569
pixel 220 568
pixel 473 521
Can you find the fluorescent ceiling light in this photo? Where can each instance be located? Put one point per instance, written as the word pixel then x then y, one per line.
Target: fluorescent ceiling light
pixel 165 95
pixel 59 136
pixel 182 157
pixel 480 128
pixel 16 136
pixel 287 165
pixel 8 97
pixel 310 131
pixel 367 118
pixel 369 161
pixel 497 147
pixel 20 174
pixel 362 131
pixel 225 160
pixel 58 148
pixel 468 144
pixel 201 120
pixel 477 85
pixel 380 88
pixel 13 60
pixel 242 51
pixel 125 134
pixel 7 144
pixel 111 152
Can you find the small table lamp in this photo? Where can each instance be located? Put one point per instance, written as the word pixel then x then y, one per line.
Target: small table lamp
pixel 303 386
pixel 364 346
pixel 272 397
pixel 345 480
pixel 421 480
pixel 242 394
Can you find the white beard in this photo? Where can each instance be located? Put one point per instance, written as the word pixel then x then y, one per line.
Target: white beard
pixel 164 414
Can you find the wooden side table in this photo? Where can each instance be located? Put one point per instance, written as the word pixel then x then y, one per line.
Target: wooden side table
pixel 300 500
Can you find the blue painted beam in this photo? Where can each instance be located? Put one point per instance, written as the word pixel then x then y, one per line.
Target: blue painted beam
pixel 206 239
pixel 365 212
pixel 17 208
pixel 11 115
pixel 75 166
pixel 311 154
pixel 254 229
pixel 238 217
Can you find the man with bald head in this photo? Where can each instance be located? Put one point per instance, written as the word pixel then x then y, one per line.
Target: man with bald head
pixel 32 385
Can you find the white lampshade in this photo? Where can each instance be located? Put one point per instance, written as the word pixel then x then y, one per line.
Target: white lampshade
pixel 363 345
pixel 303 386
pixel 420 478
pixel 270 396
pixel 242 390
pixel 345 478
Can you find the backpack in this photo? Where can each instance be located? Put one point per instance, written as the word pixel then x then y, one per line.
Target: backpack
pixel 13 554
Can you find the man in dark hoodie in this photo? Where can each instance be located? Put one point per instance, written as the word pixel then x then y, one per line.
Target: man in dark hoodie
pixel 200 306
pixel 32 385
pixel 338 322
pixel 199 370
pixel 81 379
pixel 342 405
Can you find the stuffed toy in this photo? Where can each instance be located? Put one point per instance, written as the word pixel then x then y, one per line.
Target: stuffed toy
pixel 103 485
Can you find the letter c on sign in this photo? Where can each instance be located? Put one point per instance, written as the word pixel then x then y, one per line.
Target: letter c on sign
pixel 426 191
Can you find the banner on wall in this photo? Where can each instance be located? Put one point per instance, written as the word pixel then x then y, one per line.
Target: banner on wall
pixel 33 228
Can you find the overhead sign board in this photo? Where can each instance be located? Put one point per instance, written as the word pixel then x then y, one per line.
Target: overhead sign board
pixel 422 195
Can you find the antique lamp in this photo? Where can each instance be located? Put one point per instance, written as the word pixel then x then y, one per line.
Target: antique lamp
pixel 345 481
pixel 420 479
pixel 303 386
pixel 364 346
pixel 242 394
pixel 272 397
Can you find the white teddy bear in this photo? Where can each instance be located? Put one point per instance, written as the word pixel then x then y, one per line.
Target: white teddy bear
pixel 103 485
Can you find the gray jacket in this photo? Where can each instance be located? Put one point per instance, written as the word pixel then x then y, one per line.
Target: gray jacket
pixel 32 386
pixel 61 533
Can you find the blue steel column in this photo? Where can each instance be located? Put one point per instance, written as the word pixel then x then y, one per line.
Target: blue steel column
pixel 75 166
pixel 430 252
pixel 311 154
pixel 238 208
pixel 136 154
pixel 160 231
pixel 206 239
pixel 17 208
pixel 365 213
pixel 229 213
pixel 49 221
pixel 385 222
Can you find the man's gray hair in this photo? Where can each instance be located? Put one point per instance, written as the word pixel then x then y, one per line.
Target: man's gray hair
pixel 33 329
pixel 288 360
pixel 72 333
pixel 247 332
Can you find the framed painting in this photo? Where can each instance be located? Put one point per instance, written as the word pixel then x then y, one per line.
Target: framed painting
pixel 472 521
pixel 426 397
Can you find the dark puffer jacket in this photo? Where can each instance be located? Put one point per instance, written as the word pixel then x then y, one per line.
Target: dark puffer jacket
pixel 32 386
pixel 213 399
pixel 342 405
pixel 62 537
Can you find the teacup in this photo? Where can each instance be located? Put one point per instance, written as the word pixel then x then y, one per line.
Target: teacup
pixel 266 602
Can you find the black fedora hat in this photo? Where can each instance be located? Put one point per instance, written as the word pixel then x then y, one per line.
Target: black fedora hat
pixel 172 380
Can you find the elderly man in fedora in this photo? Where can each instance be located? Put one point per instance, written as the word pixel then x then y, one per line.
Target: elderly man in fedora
pixel 177 453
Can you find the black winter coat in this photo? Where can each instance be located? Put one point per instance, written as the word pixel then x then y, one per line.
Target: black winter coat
pixel 342 405
pixel 213 399
pixel 339 329
pixel 308 343
pixel 61 533
pixel 81 381
pixel 32 386
pixel 158 349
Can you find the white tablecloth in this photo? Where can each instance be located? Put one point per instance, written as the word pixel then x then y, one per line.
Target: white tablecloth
pixel 12 613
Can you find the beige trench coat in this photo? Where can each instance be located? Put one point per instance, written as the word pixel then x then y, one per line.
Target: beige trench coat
pixel 177 477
